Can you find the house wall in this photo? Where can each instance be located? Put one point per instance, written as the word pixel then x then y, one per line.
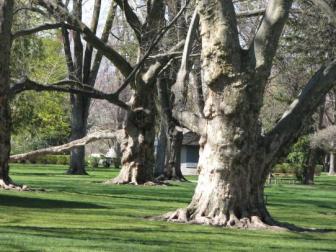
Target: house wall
pixel 189 160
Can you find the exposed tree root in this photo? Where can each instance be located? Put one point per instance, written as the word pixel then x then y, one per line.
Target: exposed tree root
pixel 117 181
pixel 230 220
pixel 10 185
pixel 164 178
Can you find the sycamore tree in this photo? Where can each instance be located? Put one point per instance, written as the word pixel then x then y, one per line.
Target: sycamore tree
pixel 236 156
pixel 325 140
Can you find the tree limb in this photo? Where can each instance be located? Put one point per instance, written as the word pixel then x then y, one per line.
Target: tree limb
pixel 267 37
pixel 288 128
pixel 190 120
pixel 67 86
pixel 89 49
pixel 99 135
pixel 251 13
pixel 40 28
pixel 104 37
pixel 131 17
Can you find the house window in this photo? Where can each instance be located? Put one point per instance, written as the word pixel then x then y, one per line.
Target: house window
pixel 192 154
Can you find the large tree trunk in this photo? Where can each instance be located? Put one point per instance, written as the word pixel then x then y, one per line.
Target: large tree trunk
pixel 230 185
pixel 137 144
pixel 233 162
pixel 6 15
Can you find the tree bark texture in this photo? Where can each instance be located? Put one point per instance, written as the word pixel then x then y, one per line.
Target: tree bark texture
pixel 137 145
pixel 235 157
pixel 172 165
pixel 6 16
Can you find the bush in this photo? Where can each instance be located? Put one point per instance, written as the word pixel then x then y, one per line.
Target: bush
pixel 47 159
pixel 318 170
pixel 286 168
pixel 94 161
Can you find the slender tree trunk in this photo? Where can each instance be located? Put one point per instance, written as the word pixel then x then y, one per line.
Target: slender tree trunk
pixel 160 157
pixel 172 169
pixel 309 169
pixel 79 103
pixel 6 15
pixel 332 164
pixel 172 166
pixel 79 110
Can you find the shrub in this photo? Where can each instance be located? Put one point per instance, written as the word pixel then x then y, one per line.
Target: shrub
pixel 94 161
pixel 48 159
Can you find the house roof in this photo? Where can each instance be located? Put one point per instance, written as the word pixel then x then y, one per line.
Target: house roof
pixel 190 138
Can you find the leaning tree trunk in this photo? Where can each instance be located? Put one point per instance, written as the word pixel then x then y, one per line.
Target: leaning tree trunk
pixel 332 164
pixel 6 15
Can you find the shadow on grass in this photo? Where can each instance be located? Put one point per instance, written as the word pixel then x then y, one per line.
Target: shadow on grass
pixel 26 202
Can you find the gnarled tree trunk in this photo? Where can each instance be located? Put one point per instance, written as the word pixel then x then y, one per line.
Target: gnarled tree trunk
pixel 235 157
pixel 137 144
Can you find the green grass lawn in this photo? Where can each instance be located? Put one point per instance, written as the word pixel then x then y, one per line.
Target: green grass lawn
pixel 78 213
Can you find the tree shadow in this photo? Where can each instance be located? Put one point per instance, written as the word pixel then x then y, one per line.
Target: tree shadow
pixel 26 202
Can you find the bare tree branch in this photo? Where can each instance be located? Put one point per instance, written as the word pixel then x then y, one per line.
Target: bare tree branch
pixel 151 48
pixel 252 13
pixel 67 86
pixel 40 28
pixel 59 11
pixel 89 49
pixel 131 17
pixel 105 35
pixel 99 135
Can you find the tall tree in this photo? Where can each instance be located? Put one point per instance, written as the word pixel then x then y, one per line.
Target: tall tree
pixel 235 157
pixel 6 17
pixel 83 66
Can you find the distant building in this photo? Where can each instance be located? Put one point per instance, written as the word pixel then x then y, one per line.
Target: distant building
pixel 189 153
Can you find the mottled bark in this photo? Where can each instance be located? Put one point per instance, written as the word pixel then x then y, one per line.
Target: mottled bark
pixel 232 155
pixel 137 146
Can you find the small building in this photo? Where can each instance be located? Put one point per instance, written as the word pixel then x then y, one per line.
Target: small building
pixel 189 153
